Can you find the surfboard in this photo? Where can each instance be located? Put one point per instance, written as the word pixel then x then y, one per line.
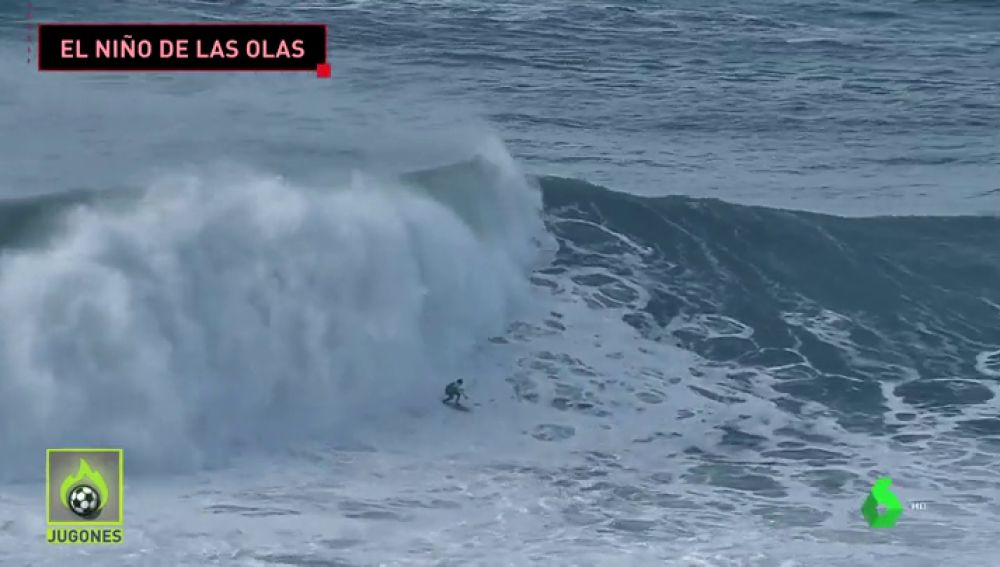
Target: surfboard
pixel 455 406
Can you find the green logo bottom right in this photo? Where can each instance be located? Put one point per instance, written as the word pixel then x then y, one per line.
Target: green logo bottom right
pixel 881 496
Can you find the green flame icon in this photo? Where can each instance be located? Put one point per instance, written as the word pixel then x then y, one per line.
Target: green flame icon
pixel 84 473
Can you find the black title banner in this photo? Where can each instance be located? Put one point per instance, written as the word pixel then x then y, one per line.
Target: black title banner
pixel 183 47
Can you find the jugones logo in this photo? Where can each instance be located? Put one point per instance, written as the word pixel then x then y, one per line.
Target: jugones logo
pixel 84 487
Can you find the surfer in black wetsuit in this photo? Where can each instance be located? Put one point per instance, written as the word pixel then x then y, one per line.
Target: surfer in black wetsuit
pixel 454 392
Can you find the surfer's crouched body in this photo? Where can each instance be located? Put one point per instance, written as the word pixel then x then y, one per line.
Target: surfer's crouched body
pixel 453 392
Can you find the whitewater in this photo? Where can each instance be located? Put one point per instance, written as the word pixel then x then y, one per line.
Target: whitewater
pixel 707 271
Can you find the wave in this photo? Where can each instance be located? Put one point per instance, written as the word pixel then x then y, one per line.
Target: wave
pixel 215 311
pixel 212 312
pixel 842 312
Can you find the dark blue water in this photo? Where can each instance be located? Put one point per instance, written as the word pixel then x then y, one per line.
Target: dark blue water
pixel 828 106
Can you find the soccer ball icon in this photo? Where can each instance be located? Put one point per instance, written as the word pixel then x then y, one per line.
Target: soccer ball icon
pixel 84 501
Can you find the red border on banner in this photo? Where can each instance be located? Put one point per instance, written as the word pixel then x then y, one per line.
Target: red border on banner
pixel 323 70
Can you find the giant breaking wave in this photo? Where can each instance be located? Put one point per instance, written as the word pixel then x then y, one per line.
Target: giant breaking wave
pixel 215 311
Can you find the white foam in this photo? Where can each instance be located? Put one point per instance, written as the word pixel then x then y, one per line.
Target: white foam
pixel 988 363
pixel 235 309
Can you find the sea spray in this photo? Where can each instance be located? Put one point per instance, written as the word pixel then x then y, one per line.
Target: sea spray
pixel 233 309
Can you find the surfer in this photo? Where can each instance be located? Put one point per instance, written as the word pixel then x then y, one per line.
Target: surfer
pixel 454 391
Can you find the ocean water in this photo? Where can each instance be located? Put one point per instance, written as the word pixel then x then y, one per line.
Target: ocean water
pixel 709 269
